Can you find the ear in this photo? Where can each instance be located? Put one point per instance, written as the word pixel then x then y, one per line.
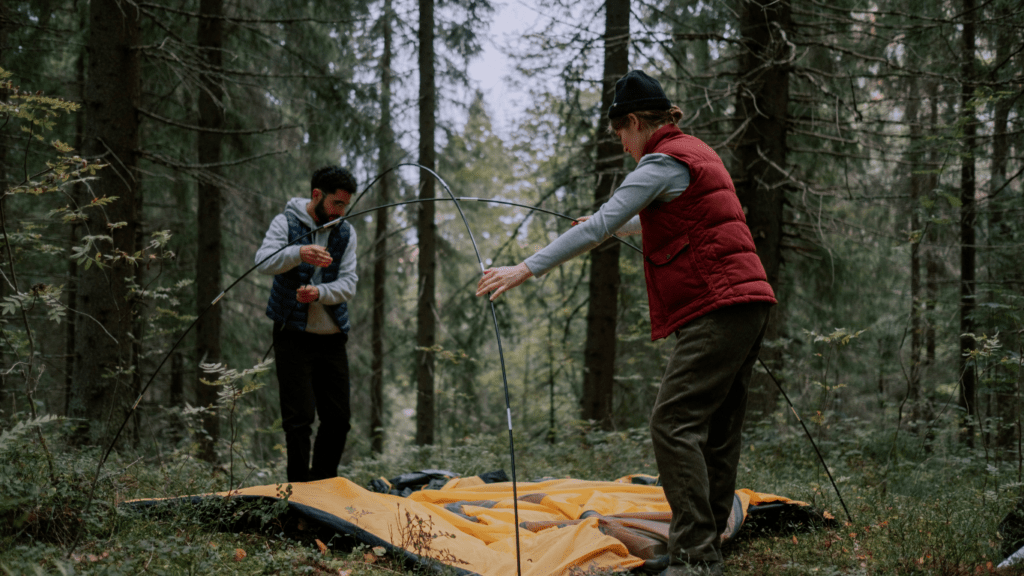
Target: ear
pixel 634 122
pixel 315 194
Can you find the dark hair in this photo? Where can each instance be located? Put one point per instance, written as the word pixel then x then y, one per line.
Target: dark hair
pixel 330 179
pixel 647 118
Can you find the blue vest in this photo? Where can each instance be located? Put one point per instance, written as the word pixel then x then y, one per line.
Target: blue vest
pixel 283 306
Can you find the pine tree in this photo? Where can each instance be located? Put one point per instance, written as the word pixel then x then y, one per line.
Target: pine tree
pixel 105 362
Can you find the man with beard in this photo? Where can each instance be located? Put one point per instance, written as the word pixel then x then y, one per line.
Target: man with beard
pixel 314 278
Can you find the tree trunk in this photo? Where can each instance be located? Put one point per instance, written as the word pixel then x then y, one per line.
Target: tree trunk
pixel 176 396
pixel 101 396
pixel 552 435
pixel 3 188
pixel 968 384
pixel 931 259
pixel 427 231
pixel 77 193
pixel 386 139
pixel 208 217
pixel 1007 268
pixel 916 185
pixel 599 350
pixel 920 412
pixel 761 156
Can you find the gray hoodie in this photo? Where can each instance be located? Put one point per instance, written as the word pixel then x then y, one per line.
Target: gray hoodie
pixel 318 321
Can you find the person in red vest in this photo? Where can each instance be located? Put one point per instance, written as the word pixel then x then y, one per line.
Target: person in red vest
pixel 706 286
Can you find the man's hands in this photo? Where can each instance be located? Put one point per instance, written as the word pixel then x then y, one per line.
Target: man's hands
pixel 307 294
pixel 502 279
pixel 316 255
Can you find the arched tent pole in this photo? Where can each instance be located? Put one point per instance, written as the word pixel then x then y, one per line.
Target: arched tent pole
pixel 508 409
pixel 501 354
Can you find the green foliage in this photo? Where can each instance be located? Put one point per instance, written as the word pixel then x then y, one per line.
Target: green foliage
pixel 10 438
pixel 233 386
pixel 35 108
pixel 922 503
pixel 33 113
pixel 932 512
pixel 40 501
pixel 39 242
pixel 48 295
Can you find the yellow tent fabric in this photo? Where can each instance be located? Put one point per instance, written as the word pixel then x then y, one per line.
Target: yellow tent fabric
pixel 470 525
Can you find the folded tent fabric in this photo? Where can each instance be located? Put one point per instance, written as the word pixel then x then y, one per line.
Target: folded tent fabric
pixel 566 525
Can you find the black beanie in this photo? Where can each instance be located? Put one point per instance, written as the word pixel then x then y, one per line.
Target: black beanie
pixel 636 92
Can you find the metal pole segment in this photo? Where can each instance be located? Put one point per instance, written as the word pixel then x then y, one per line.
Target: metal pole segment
pixel 809 437
pixel 494 317
pixel 453 198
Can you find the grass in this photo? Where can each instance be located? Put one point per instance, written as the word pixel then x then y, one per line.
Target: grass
pixel 914 511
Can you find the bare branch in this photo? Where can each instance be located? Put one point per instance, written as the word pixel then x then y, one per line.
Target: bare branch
pixel 169 163
pixel 237 20
pixel 214 130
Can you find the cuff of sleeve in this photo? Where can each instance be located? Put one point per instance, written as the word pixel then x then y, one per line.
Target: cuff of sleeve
pixel 533 268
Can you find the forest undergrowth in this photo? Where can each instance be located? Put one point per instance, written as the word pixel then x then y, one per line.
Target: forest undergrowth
pixel 914 510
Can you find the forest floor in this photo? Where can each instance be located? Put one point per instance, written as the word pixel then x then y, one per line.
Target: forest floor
pixel 915 511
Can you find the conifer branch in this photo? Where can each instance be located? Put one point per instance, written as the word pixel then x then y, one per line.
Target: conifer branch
pixel 195 128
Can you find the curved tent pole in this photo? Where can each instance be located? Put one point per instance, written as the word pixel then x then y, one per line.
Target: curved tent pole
pixel 508 408
pixel 494 317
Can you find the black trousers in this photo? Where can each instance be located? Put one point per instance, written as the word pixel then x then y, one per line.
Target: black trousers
pixel 312 375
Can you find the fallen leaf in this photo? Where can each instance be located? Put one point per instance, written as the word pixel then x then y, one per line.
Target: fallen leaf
pixel 239 554
pixel 795 540
pixel 369 558
pixel 321 546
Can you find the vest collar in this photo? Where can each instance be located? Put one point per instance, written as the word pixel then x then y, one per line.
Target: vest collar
pixel 666 131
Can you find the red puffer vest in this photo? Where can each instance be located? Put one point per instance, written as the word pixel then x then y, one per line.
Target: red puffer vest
pixel 698 252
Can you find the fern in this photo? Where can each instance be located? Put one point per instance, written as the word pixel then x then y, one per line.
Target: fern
pixel 9 438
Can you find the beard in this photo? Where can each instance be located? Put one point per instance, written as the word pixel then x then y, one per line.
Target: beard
pixel 321 214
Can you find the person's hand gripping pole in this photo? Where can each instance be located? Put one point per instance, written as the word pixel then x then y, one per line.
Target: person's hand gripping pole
pixel 502 279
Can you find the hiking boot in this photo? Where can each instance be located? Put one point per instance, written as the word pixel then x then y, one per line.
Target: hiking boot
pixel 655 565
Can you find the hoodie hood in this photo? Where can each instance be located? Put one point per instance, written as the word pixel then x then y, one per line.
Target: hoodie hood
pixel 297 207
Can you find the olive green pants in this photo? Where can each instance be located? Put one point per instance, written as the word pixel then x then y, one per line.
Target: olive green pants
pixel 697 423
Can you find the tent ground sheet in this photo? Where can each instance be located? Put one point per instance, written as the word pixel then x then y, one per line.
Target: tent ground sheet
pixel 567 526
